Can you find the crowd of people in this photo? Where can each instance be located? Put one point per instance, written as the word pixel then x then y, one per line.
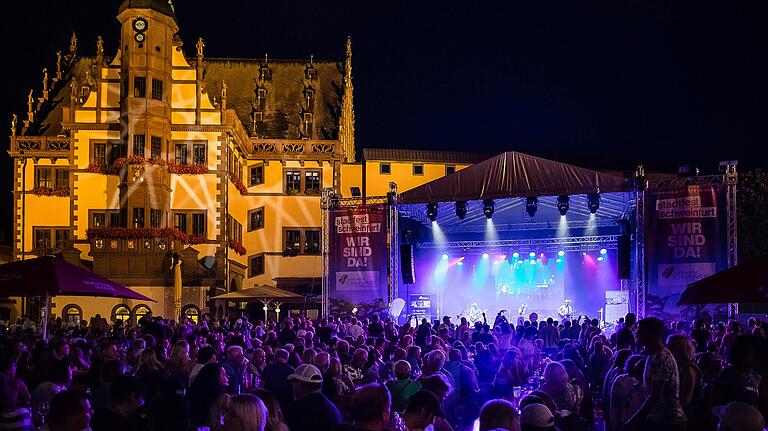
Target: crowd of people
pixel 355 373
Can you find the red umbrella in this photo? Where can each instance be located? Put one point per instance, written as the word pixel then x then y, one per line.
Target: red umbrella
pixel 50 276
pixel 744 283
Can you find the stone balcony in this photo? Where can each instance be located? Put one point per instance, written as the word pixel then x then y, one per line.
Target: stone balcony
pixel 54 147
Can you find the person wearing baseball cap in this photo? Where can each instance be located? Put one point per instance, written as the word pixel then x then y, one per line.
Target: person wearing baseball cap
pixel 537 417
pixel 423 407
pixel 310 410
pixel 738 416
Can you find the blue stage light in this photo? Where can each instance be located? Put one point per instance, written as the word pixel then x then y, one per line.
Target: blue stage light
pixel 559 260
pixel 603 251
pixel 600 258
pixel 561 253
pixel 445 257
pixel 485 255
pixel 432 211
pixel 532 254
pixel 520 262
pixel 460 264
pixel 515 255
pixel 533 262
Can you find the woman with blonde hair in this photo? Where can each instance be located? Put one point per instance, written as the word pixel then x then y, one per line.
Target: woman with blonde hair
pixel 245 412
pixel 151 371
pixel 179 362
pixel 556 384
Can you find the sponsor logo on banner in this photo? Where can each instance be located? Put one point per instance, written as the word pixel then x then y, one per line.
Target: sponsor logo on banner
pixel 357 280
pixel 359 257
pixel 676 274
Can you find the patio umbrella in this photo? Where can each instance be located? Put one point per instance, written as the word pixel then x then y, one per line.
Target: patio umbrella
pixel 264 294
pixel 744 283
pixel 49 276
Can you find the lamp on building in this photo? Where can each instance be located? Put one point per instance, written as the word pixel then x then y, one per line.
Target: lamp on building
pixel 593 202
pixel 432 211
pixel 488 208
pixel 563 204
pixel 461 209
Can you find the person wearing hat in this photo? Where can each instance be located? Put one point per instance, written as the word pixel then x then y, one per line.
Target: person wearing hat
pixel 537 417
pixel 738 416
pixel 423 407
pixel 310 410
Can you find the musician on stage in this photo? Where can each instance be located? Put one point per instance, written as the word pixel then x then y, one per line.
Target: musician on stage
pixel 521 313
pixel 566 310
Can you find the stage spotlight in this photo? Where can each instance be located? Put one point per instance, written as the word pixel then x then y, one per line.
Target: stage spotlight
pixel 461 209
pixel 603 251
pixel 460 263
pixel 533 262
pixel 496 262
pixel 531 205
pixel 488 208
pixel 532 254
pixel 445 257
pixel 600 258
pixel 563 204
pixel 485 255
pixel 593 202
pixel 561 253
pixel 515 255
pixel 432 211
pixel 559 260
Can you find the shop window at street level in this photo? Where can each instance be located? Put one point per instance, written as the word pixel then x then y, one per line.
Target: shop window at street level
pixel 191 312
pixel 121 312
pixel 72 313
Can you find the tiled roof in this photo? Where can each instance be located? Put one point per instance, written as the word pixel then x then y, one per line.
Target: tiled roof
pixel 424 155
pixel 286 103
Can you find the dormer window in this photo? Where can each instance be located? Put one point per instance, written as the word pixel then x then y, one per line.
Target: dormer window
pixel 261 99
pixel 308 124
pixel 310 73
pixel 309 97
pixel 265 73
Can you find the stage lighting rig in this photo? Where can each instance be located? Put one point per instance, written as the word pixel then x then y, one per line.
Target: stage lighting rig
pixel 531 205
pixel 563 204
pixel 432 211
pixel 488 208
pixel 593 202
pixel 461 209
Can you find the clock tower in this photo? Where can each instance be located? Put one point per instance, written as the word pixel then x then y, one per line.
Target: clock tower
pixel 147 35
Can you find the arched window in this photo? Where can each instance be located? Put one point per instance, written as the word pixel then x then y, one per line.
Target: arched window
pixel 72 313
pixel 191 312
pixel 121 312
pixel 140 310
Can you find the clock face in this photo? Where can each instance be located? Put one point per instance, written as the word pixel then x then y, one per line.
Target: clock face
pixel 140 24
pixel 139 37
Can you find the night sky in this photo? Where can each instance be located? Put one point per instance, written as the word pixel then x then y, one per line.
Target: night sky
pixel 603 84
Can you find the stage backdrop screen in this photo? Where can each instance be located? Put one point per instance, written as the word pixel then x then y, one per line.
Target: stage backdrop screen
pixel 686 240
pixel 359 256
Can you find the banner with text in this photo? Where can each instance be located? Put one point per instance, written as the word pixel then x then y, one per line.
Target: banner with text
pixel 359 256
pixel 685 242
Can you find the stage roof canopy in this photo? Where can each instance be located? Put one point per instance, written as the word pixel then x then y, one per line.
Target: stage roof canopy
pixel 514 174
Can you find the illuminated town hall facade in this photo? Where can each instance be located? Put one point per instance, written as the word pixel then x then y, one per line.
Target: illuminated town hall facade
pixel 123 160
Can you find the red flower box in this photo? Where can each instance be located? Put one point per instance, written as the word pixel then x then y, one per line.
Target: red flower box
pixel 237 247
pixel 137 233
pixel 60 191
pixel 238 184
pixel 114 168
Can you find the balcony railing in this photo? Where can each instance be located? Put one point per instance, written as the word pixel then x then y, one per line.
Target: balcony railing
pixel 40 146
pixel 310 149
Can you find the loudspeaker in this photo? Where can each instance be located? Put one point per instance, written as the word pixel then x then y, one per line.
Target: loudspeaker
pixel 624 268
pixel 406 264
